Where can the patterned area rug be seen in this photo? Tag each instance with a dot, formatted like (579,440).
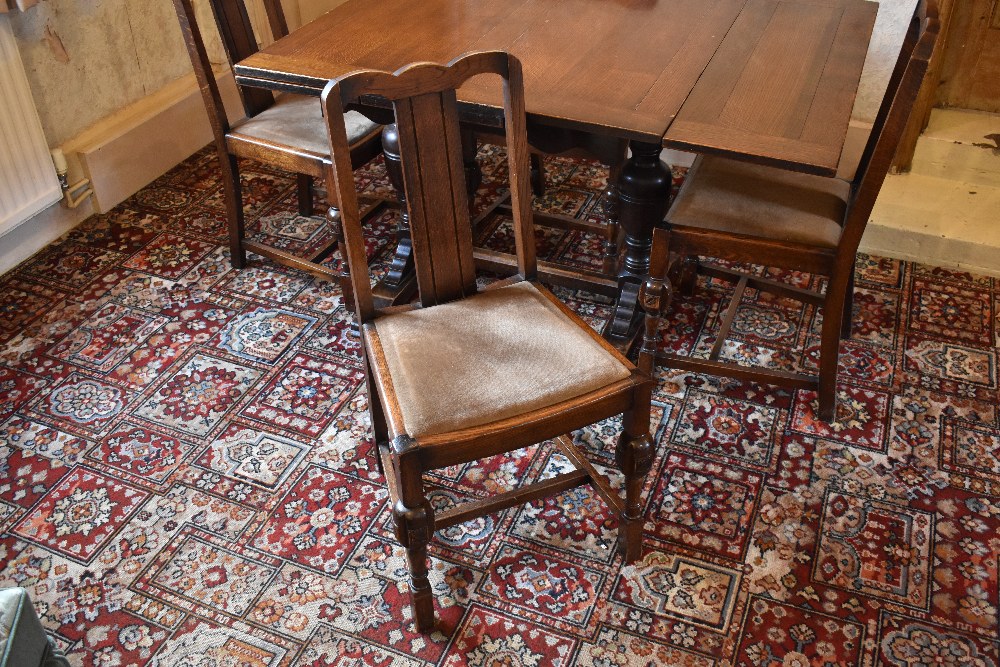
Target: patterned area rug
(186,475)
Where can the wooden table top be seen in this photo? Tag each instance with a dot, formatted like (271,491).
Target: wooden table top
(768,79)
(781,87)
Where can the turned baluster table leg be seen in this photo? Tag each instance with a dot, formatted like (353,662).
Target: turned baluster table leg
(402,262)
(643,197)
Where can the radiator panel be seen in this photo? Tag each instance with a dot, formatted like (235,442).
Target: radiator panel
(28,181)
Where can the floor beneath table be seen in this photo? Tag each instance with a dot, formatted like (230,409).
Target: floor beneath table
(186,475)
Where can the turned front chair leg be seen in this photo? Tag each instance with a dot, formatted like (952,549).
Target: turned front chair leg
(654,298)
(413,530)
(414,523)
(612,230)
(634,455)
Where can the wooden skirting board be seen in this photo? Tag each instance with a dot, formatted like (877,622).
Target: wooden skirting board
(129,149)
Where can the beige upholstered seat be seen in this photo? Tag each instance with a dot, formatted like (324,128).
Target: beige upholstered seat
(736,197)
(527,355)
(297,120)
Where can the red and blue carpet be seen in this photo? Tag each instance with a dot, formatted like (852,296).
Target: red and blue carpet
(186,475)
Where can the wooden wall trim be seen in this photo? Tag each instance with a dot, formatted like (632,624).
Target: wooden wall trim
(927,97)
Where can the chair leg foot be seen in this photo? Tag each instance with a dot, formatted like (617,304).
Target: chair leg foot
(635,457)
(413,530)
(237,255)
(234,210)
(630,539)
(303,187)
(422,604)
(828,406)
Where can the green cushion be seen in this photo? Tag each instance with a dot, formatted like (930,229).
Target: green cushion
(23,642)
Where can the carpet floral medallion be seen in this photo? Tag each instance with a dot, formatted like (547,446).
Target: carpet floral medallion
(187,477)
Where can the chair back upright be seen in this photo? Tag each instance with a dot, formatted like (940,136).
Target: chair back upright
(423,99)
(889,125)
(239,42)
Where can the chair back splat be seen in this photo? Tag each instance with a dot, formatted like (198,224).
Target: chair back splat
(466,374)
(435,185)
(747,213)
(433,174)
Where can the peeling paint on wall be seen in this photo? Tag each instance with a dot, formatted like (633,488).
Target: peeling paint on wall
(55,45)
(87,60)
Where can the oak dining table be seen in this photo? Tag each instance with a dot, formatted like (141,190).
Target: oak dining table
(769,81)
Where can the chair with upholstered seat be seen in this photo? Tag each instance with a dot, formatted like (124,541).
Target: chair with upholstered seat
(465,373)
(763,215)
(285,131)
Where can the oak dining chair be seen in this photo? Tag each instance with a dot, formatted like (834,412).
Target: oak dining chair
(466,373)
(762,215)
(285,131)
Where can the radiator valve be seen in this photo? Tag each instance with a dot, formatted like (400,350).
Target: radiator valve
(73,195)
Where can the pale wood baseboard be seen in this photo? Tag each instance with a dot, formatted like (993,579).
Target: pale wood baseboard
(125,152)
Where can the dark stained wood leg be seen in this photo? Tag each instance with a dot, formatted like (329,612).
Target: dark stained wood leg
(634,455)
(612,207)
(473,173)
(845,326)
(414,523)
(644,194)
(828,355)
(304,184)
(537,175)
(234,210)
(402,263)
(655,298)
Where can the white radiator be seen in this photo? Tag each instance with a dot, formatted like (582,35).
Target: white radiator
(28,181)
